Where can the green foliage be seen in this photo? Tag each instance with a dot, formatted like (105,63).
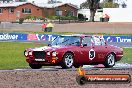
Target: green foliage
(53,17)
(30,17)
(21,20)
(109,5)
(90,4)
(127,58)
(68,18)
(35,18)
(81,17)
(113,4)
(62,17)
(12,54)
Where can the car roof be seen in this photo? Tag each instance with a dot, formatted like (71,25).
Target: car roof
(80,35)
(83,35)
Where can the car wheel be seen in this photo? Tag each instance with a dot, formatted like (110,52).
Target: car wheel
(35,66)
(67,61)
(110,61)
(81,80)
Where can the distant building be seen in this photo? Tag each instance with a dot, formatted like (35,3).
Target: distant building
(5,1)
(15,10)
(8,1)
(59,9)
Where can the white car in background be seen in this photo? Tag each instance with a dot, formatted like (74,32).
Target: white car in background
(86,14)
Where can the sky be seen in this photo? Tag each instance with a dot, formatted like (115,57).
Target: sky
(78,2)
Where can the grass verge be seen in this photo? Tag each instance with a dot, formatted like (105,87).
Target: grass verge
(12,56)
(127,58)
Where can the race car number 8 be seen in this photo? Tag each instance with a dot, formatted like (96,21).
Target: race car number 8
(91,54)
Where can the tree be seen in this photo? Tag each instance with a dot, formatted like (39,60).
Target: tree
(93,5)
(113,3)
(109,4)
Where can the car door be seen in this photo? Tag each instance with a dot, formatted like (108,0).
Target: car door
(100,50)
(85,50)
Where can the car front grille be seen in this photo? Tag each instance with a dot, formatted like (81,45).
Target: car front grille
(39,54)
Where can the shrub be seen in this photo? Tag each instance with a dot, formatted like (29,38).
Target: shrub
(35,18)
(53,17)
(62,17)
(81,17)
(68,18)
(21,20)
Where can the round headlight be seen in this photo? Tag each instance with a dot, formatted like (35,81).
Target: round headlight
(48,53)
(54,54)
(26,53)
(30,53)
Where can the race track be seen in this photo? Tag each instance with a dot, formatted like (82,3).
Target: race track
(118,66)
(55,77)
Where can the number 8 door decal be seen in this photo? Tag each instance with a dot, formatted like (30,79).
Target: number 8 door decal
(91,54)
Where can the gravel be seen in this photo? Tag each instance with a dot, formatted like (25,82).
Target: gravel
(54,79)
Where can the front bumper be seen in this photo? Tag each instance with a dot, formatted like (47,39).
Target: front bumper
(46,61)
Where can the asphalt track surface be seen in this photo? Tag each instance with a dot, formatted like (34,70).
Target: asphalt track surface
(118,66)
(86,27)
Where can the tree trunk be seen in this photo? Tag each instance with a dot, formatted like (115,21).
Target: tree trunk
(92,14)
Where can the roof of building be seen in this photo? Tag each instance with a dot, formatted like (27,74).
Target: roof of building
(46,5)
(15,4)
(12,4)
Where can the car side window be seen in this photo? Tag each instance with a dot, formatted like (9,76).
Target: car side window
(87,40)
(102,42)
(96,41)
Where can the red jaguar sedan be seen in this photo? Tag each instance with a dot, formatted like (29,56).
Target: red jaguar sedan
(74,50)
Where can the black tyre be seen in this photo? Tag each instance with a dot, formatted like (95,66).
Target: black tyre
(67,61)
(77,66)
(110,61)
(81,80)
(35,66)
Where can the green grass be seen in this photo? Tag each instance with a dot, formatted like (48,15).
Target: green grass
(127,58)
(12,57)
(11,54)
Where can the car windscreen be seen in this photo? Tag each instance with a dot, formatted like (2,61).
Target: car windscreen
(66,40)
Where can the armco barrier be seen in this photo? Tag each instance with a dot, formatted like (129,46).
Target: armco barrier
(51,37)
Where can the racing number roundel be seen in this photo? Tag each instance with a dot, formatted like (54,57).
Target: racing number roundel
(91,54)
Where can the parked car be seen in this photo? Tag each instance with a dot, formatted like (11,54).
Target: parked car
(74,50)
